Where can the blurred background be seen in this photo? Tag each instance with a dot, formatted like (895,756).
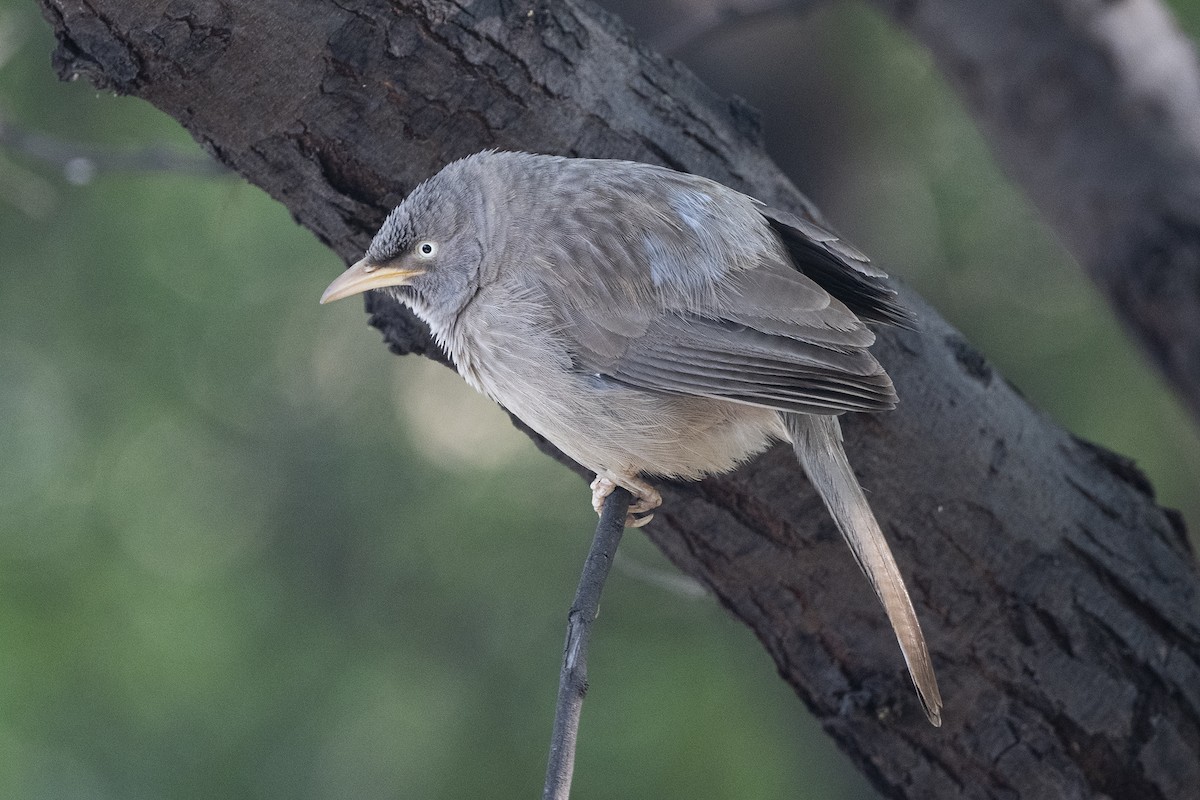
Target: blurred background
(245,552)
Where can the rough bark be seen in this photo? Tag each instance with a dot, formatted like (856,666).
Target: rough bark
(1061,604)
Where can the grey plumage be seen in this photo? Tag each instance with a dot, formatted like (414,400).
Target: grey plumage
(652,323)
(817,441)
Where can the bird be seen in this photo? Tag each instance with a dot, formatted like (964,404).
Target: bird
(652,323)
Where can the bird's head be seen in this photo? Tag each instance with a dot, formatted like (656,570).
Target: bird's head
(427,253)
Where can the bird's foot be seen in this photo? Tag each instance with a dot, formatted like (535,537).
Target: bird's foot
(645,497)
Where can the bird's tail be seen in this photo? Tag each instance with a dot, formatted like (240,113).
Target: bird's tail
(818,444)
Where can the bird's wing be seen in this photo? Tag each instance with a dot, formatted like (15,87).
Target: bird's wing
(839,268)
(729,360)
(677,284)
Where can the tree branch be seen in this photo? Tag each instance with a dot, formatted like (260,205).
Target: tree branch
(1094,108)
(79,162)
(1061,604)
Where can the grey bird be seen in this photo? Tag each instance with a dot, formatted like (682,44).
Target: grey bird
(652,323)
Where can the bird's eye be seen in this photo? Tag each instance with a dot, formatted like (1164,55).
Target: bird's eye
(426,249)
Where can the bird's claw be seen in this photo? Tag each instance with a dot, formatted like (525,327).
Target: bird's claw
(645,497)
(632,521)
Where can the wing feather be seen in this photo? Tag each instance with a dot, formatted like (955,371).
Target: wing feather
(772,316)
(839,268)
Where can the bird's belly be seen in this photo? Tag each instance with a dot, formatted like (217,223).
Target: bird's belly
(606,425)
(670,435)
(598,422)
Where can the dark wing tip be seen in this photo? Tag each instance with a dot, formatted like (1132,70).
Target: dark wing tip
(839,268)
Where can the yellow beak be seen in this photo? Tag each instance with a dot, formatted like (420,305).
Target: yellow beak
(363,276)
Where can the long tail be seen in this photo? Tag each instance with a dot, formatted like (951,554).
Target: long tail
(818,444)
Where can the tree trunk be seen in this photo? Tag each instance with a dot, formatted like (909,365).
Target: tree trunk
(1060,602)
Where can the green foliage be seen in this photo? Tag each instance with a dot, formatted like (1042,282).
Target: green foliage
(244,552)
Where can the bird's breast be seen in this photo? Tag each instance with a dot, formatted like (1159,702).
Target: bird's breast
(508,351)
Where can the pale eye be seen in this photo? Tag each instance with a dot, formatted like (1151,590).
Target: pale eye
(426,249)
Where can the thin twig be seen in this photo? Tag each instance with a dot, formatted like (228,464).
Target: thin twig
(572,681)
(80,162)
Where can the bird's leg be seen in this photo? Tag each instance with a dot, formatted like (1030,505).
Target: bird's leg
(645,497)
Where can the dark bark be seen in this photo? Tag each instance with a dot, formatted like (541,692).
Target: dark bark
(1061,604)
